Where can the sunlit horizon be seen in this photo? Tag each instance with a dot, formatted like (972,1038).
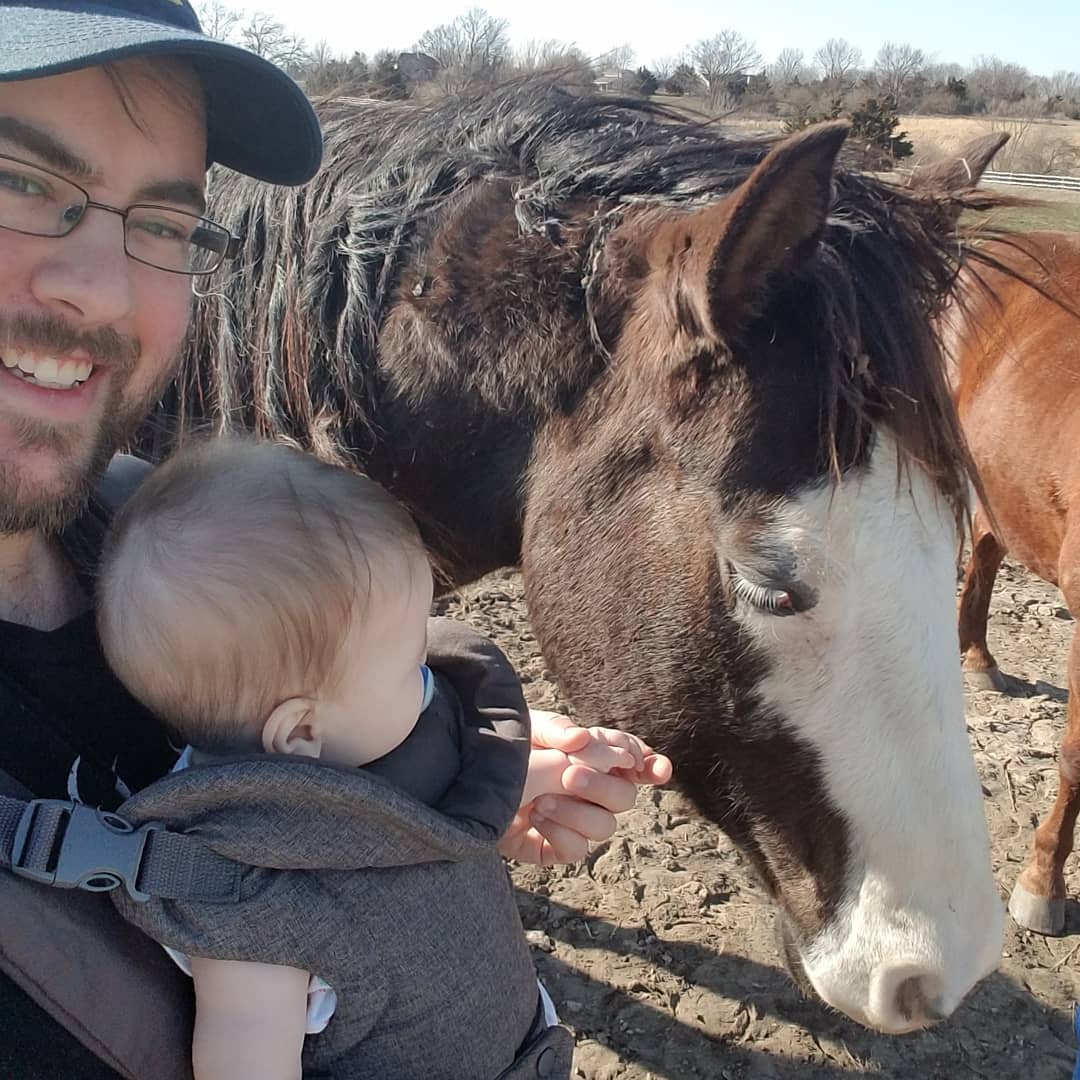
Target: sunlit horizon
(957,32)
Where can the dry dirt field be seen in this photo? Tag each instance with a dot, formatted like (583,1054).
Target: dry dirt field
(932,135)
(660,951)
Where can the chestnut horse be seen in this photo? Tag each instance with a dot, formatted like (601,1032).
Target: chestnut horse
(1016,351)
(694,386)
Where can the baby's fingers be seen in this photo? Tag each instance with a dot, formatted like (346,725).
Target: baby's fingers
(603,756)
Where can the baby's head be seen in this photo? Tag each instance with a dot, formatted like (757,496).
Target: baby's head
(257,599)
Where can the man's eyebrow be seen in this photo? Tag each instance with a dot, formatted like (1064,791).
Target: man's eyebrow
(53,153)
(44,146)
(184,192)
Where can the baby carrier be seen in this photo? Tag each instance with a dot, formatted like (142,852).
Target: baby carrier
(264,841)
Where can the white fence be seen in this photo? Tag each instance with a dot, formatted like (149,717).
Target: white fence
(1035,180)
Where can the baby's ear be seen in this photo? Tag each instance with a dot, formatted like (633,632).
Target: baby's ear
(292,729)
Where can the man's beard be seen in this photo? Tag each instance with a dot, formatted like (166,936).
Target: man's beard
(83,453)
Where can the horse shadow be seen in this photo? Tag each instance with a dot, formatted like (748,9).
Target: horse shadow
(1000,1030)
(1017,687)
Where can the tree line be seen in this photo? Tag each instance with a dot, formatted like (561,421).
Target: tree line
(724,70)
(722,73)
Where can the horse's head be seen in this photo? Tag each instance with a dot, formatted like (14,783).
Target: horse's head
(746,537)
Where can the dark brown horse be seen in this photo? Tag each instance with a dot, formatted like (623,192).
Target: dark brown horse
(1016,351)
(692,384)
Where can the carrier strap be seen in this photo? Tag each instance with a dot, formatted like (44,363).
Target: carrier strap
(72,846)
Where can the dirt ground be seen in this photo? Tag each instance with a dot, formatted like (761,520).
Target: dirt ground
(660,950)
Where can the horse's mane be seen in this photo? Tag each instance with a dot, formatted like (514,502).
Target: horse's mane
(288,339)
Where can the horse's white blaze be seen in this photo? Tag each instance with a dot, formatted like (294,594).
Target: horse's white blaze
(871,678)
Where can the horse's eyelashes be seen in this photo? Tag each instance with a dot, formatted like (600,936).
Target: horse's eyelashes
(763,597)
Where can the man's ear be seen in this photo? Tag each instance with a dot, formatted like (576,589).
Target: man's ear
(292,728)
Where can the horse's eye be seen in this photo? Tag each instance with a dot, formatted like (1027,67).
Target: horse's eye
(771,601)
(768,600)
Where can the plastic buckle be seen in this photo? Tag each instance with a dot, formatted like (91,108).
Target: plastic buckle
(95,850)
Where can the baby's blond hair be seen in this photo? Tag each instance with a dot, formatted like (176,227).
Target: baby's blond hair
(229,580)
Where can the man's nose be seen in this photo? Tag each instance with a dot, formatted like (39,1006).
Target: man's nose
(87,274)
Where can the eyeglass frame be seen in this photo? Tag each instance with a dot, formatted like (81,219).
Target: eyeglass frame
(230,251)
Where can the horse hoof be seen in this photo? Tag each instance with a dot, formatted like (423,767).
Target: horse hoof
(991,679)
(1036,913)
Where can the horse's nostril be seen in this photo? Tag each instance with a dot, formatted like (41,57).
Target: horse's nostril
(916,1005)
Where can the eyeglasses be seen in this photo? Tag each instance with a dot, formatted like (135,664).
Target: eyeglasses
(39,203)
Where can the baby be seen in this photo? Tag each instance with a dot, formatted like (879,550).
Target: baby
(272,610)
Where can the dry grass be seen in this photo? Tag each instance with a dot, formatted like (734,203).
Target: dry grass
(1035,145)
(951,132)
(936,137)
(1055,210)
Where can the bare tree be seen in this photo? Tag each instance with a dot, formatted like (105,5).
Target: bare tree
(217,19)
(533,55)
(620,59)
(996,83)
(837,61)
(324,72)
(721,58)
(788,68)
(474,47)
(264,35)
(939,73)
(664,68)
(1061,89)
(321,55)
(566,61)
(897,67)
(546,55)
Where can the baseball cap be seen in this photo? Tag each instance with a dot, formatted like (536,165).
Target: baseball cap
(259,122)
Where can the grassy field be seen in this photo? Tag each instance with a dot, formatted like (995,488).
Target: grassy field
(1034,146)
(1055,210)
(1039,146)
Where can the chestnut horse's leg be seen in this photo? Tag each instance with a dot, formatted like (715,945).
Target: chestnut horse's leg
(980,669)
(1038,901)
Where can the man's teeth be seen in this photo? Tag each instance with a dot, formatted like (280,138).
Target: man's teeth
(47,370)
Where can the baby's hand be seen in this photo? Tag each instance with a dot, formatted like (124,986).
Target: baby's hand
(609,750)
(604,750)
(567,805)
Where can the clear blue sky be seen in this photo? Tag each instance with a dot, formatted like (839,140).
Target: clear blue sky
(1044,36)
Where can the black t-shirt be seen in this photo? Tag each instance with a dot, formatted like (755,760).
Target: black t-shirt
(73,730)
(67,728)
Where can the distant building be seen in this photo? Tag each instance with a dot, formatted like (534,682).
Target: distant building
(418,67)
(607,82)
(614,81)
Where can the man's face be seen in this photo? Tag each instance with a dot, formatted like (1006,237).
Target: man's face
(78,301)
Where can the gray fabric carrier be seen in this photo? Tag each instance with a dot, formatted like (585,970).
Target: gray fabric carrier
(405,908)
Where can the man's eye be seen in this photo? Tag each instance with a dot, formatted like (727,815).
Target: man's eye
(21,183)
(160,229)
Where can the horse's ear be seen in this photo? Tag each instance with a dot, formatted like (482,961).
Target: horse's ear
(727,254)
(959,174)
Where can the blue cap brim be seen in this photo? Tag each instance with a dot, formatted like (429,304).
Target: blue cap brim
(259,121)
